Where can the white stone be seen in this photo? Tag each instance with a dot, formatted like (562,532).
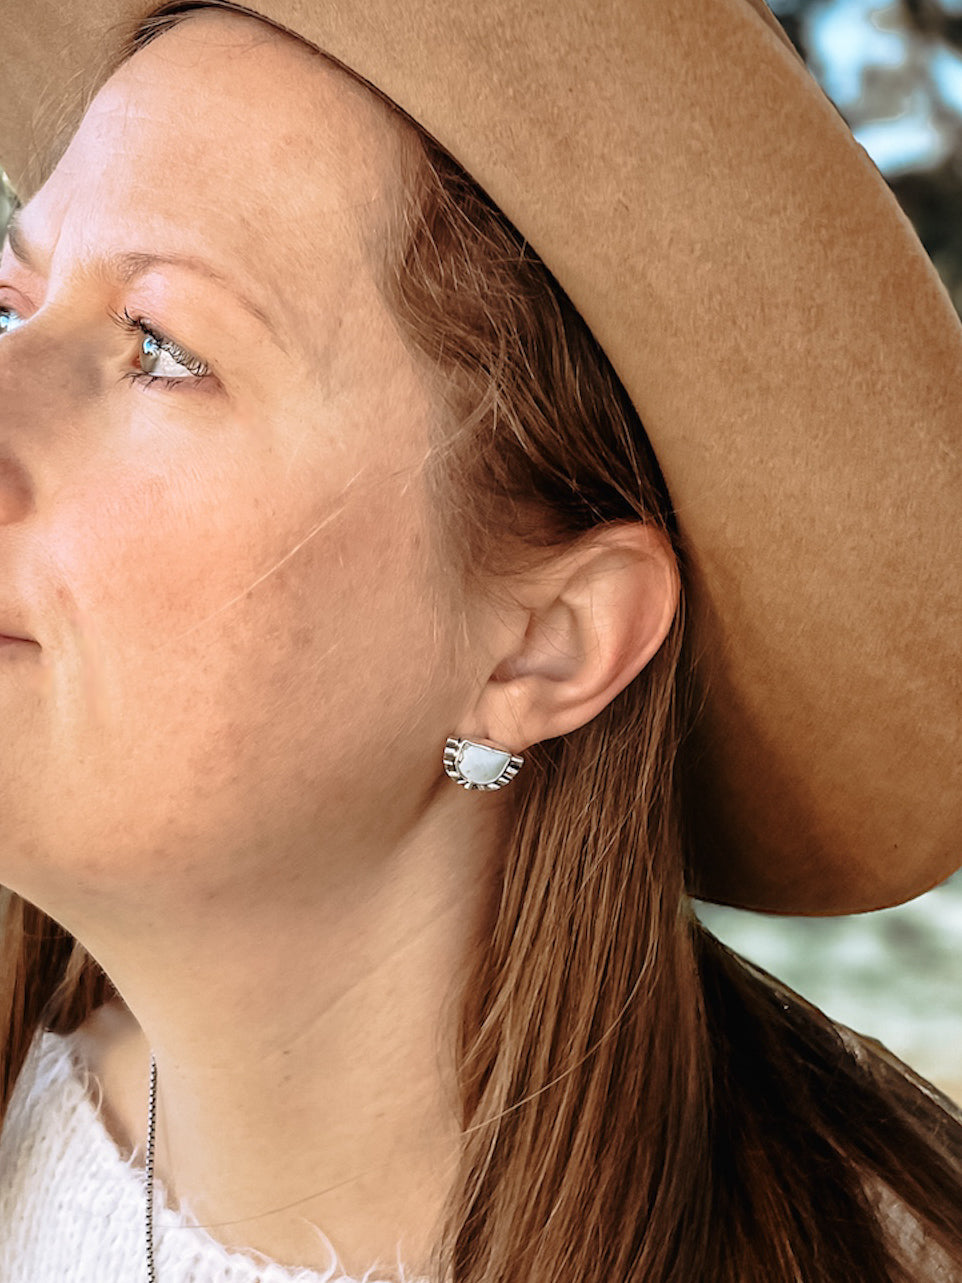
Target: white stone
(480,764)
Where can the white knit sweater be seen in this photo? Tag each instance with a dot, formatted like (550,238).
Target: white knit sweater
(72,1208)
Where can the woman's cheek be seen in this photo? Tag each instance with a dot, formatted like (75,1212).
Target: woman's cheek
(145,554)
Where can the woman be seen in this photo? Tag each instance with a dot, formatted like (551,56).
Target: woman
(310,468)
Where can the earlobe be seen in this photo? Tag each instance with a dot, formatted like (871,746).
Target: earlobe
(587,624)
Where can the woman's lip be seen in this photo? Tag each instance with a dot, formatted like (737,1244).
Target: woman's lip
(7,640)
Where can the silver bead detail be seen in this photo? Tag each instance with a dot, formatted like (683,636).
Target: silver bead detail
(149,1166)
(480,766)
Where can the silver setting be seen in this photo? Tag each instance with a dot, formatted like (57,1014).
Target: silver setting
(480,766)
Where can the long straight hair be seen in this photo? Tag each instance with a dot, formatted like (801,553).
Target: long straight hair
(637,1104)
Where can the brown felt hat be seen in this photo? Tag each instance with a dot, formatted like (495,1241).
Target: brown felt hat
(789,347)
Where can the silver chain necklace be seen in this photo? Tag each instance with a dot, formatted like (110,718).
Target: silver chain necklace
(149,1164)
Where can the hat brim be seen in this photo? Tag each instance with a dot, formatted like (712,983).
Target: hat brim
(789,347)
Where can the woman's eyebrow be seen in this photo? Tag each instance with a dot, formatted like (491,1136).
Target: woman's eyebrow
(127,266)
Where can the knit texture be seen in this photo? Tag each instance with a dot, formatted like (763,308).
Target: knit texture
(72,1208)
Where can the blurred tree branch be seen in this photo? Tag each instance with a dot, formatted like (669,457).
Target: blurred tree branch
(929,18)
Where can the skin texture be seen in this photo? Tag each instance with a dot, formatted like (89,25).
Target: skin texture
(222,762)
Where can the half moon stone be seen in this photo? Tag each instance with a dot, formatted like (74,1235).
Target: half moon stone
(480,764)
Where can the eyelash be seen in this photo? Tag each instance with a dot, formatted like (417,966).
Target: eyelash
(140,325)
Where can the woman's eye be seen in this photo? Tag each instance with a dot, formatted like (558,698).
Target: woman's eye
(159,358)
(9,320)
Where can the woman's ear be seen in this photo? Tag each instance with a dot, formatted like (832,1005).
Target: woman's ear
(577,632)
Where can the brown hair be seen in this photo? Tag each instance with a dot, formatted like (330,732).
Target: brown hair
(637,1103)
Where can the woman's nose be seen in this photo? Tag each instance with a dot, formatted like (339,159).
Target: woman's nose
(16,492)
(39,406)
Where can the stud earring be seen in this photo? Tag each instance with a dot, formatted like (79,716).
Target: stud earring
(480,766)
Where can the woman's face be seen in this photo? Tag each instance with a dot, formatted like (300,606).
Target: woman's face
(211,515)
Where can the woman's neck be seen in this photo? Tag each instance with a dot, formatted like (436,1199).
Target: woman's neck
(304,1059)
